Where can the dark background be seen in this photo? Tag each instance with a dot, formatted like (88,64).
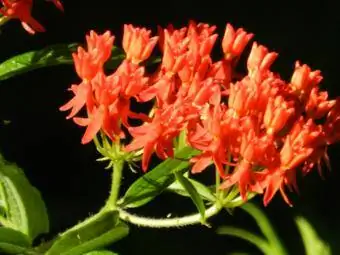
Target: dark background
(47,146)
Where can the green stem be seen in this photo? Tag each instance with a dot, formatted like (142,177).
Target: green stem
(168,223)
(248,236)
(118,167)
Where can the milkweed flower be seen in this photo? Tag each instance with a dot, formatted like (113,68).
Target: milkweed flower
(21,9)
(137,43)
(257,130)
(234,42)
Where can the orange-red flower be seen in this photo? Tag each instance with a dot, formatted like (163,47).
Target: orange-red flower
(259,62)
(266,131)
(137,43)
(89,63)
(304,79)
(21,9)
(234,42)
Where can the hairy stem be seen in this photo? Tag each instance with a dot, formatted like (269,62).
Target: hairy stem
(166,222)
(118,167)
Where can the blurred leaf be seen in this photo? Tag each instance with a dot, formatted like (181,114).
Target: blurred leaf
(266,227)
(12,241)
(313,244)
(94,233)
(204,191)
(259,242)
(101,253)
(191,190)
(271,245)
(23,208)
(153,183)
(53,55)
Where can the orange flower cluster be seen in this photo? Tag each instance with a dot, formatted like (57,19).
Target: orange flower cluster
(21,9)
(267,128)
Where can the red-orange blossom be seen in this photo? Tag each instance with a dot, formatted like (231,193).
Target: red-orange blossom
(268,129)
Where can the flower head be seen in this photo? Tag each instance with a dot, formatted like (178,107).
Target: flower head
(257,130)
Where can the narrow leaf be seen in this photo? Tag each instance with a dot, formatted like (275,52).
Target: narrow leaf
(23,206)
(313,244)
(153,183)
(53,55)
(266,227)
(204,191)
(191,190)
(247,236)
(25,62)
(95,233)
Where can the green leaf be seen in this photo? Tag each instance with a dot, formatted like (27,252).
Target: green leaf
(53,55)
(204,191)
(195,196)
(12,249)
(153,183)
(24,210)
(101,253)
(313,244)
(266,228)
(259,242)
(12,241)
(94,233)
(28,61)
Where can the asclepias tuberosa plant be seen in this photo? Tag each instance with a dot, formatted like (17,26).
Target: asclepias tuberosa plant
(255,131)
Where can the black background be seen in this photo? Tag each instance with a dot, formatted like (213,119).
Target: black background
(47,146)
